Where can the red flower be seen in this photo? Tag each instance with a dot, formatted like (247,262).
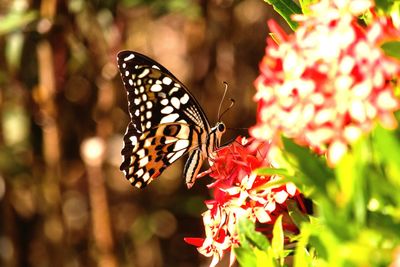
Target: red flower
(239,192)
(327,83)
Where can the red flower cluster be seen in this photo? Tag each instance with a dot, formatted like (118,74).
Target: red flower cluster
(239,192)
(327,83)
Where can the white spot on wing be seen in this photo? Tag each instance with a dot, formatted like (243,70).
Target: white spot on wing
(133,140)
(124,65)
(177,155)
(126,73)
(137,112)
(130,82)
(146,177)
(148,114)
(155,88)
(149,104)
(139,173)
(147,142)
(155,67)
(137,101)
(175,102)
(141,153)
(144,73)
(184,99)
(164,102)
(170,118)
(181,144)
(167,80)
(143,161)
(184,132)
(129,57)
(173,90)
(148,125)
(167,110)
(169,140)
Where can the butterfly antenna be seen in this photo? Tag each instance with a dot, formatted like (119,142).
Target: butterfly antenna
(230,106)
(222,100)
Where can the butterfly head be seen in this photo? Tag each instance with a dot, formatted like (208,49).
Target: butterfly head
(221,127)
(215,135)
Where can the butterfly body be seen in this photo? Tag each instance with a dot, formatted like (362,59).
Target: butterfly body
(166,122)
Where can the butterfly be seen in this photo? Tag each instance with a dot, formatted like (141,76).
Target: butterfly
(166,122)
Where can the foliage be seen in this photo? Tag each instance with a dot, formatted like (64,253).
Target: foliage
(63,112)
(286,9)
(356,218)
(356,221)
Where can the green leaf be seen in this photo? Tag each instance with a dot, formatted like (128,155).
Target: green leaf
(263,259)
(295,214)
(388,6)
(305,5)
(277,242)
(248,235)
(278,181)
(286,8)
(387,146)
(302,255)
(313,168)
(392,49)
(346,175)
(253,245)
(245,256)
(362,152)
(272,171)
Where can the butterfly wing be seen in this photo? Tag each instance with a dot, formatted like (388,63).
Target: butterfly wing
(166,120)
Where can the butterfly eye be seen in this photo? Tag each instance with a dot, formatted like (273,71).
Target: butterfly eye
(221,127)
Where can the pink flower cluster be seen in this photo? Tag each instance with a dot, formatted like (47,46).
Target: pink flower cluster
(239,192)
(326,84)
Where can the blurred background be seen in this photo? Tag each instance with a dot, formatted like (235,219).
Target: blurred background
(63,113)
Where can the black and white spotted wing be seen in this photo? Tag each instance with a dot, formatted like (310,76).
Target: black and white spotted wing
(166,122)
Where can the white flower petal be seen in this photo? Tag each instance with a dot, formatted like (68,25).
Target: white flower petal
(281,196)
